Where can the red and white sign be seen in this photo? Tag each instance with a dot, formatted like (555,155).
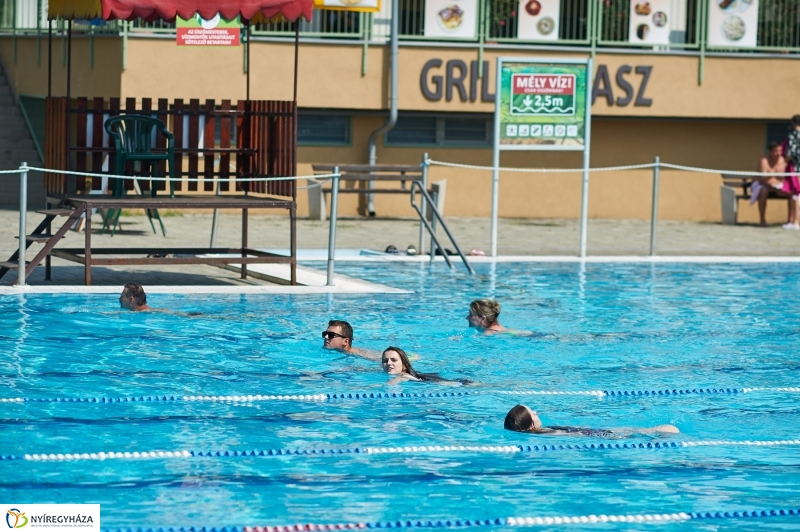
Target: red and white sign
(543,84)
(204,37)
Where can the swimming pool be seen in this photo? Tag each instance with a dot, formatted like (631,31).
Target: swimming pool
(607,327)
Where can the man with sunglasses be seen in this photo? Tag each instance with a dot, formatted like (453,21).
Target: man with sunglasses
(339,336)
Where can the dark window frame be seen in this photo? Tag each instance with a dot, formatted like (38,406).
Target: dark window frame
(441,141)
(348,117)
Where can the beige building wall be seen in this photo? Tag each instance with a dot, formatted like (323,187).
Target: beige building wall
(719,124)
(726,144)
(28,74)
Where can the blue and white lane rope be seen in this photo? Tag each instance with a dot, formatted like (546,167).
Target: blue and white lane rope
(321,397)
(503,521)
(417,449)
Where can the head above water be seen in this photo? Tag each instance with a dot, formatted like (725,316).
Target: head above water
(483,313)
(133,297)
(395,362)
(522,419)
(338,335)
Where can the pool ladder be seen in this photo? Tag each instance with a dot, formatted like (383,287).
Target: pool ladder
(428,202)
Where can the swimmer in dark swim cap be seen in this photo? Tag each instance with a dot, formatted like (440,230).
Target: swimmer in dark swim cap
(523,419)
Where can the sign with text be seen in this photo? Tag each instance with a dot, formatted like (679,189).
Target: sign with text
(201,32)
(53,517)
(650,22)
(733,23)
(537,20)
(541,105)
(367,6)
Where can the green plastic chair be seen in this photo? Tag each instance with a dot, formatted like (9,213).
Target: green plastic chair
(134,141)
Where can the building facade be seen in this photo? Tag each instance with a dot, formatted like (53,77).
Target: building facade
(687,99)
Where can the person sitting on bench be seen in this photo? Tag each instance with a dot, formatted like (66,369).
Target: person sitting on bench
(761,189)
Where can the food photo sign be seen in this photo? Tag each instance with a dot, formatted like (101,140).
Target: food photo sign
(649,22)
(537,20)
(451,19)
(542,105)
(733,23)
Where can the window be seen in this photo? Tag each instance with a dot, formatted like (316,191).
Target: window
(416,130)
(323,129)
(447,130)
(776,132)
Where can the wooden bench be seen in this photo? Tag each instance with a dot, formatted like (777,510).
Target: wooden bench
(733,189)
(358,176)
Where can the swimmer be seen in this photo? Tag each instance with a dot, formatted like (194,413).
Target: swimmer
(339,336)
(395,362)
(483,315)
(523,419)
(133,298)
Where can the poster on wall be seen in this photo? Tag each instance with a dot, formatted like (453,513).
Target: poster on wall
(198,31)
(367,6)
(542,105)
(733,23)
(453,19)
(650,22)
(537,20)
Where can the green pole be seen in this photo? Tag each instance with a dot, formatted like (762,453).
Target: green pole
(365,20)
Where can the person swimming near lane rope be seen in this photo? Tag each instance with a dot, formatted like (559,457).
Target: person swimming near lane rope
(339,336)
(395,362)
(484,314)
(523,419)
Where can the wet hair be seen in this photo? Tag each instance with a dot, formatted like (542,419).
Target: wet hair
(795,121)
(486,308)
(519,419)
(347,329)
(136,290)
(408,368)
(773,144)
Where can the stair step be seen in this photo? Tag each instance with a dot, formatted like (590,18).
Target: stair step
(56,212)
(41,239)
(11,265)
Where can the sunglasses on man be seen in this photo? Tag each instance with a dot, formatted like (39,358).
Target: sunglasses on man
(330,335)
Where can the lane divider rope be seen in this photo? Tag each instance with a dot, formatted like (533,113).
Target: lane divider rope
(507,521)
(496,449)
(387,395)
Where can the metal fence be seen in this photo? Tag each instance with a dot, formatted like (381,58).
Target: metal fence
(586,23)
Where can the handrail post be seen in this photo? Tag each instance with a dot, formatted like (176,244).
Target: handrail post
(421,248)
(23,212)
(654,210)
(332,222)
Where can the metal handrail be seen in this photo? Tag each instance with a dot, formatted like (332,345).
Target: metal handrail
(423,219)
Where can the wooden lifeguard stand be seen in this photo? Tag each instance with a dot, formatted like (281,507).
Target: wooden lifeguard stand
(265,145)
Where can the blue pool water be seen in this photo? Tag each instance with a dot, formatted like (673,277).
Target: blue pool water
(608,326)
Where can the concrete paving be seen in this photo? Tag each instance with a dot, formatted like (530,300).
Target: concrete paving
(530,237)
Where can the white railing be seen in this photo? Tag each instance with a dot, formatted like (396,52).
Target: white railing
(656,166)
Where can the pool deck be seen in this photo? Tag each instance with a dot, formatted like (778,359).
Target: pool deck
(534,240)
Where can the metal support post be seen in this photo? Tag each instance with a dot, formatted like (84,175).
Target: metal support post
(421,248)
(332,222)
(23,212)
(215,223)
(244,242)
(654,210)
(586,160)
